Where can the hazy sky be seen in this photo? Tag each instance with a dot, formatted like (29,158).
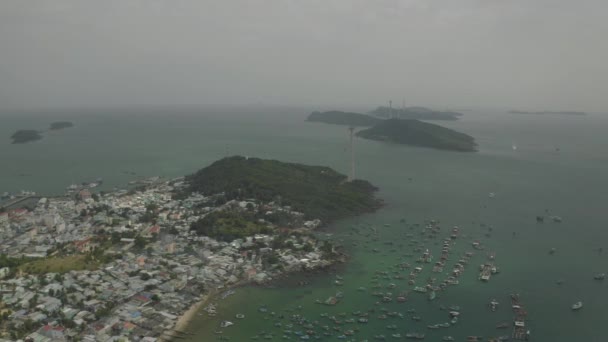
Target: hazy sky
(528,54)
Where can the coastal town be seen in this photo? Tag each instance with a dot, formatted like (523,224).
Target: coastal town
(127,265)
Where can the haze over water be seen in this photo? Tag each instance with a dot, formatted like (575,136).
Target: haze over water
(535,179)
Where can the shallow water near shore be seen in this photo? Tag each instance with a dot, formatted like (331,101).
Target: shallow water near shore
(534,179)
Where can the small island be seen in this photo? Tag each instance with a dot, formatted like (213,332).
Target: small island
(317,191)
(417,113)
(343,118)
(25,135)
(546,112)
(418,133)
(60,125)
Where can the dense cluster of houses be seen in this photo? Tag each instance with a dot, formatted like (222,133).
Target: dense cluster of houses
(137,292)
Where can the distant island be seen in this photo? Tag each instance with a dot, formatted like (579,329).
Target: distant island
(418,113)
(400,131)
(317,191)
(25,135)
(547,112)
(343,118)
(60,125)
(418,133)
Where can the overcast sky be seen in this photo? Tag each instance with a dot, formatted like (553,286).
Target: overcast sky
(525,54)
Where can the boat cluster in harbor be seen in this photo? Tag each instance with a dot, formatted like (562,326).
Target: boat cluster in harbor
(387,307)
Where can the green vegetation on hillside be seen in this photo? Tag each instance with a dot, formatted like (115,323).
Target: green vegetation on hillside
(229,225)
(316,191)
(419,113)
(58,265)
(60,125)
(343,118)
(25,135)
(418,133)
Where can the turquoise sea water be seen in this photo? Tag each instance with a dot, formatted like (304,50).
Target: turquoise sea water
(535,179)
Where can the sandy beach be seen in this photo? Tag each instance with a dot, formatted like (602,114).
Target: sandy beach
(186,317)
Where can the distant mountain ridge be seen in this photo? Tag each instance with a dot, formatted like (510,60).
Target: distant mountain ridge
(418,113)
(337,117)
(547,112)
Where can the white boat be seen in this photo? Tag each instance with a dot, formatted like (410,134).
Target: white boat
(226,324)
(493,304)
(577,306)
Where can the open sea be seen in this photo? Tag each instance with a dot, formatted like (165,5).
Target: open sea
(559,167)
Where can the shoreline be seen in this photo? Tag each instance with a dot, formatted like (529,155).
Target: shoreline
(185,318)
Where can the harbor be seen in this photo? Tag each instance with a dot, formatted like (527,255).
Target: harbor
(454,192)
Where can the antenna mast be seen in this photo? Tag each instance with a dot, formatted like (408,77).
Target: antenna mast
(351,177)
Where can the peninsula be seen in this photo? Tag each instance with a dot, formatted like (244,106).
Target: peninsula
(418,113)
(126,264)
(25,135)
(343,118)
(547,112)
(418,133)
(60,125)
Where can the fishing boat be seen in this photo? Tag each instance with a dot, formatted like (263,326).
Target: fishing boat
(600,276)
(331,301)
(420,289)
(493,305)
(226,324)
(432,295)
(415,336)
(577,306)
(447,338)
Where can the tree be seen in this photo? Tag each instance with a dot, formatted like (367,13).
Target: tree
(152,207)
(155,298)
(308,247)
(140,242)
